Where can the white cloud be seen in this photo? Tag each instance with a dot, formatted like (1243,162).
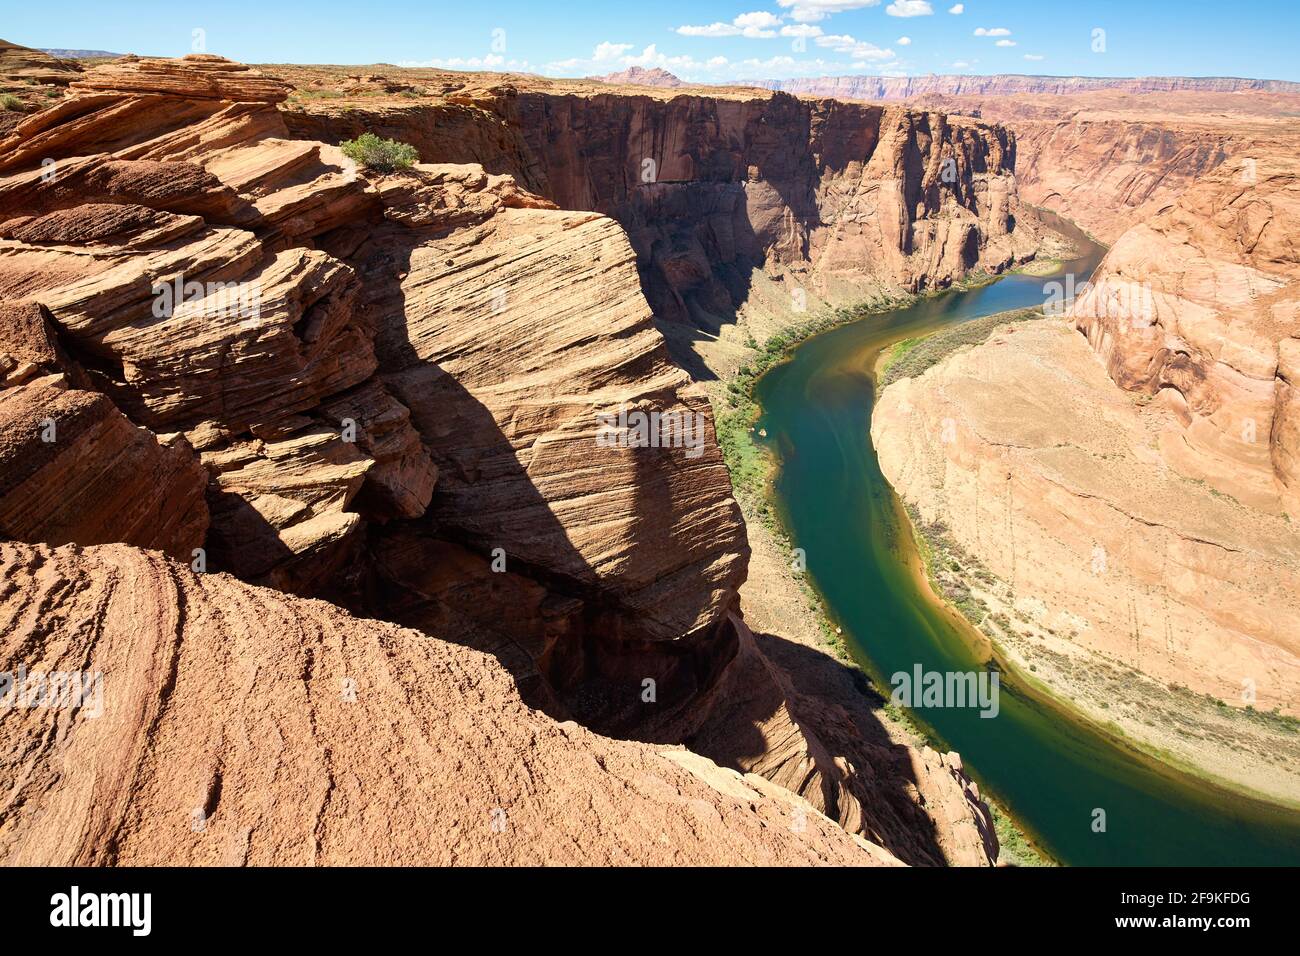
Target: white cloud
(801,30)
(489,62)
(961,65)
(1005,43)
(812,11)
(957,9)
(857,49)
(909,8)
(904,41)
(712,30)
(994,32)
(759,25)
(609,51)
(761,19)
(1033,56)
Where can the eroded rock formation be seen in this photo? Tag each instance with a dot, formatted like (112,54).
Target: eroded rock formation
(1199,309)
(828,197)
(1121,582)
(315,738)
(389,392)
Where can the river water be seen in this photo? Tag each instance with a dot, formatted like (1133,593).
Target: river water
(1052,771)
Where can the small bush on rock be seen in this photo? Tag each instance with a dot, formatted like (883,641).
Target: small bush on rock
(381,155)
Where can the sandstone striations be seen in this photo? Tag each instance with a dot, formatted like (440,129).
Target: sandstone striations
(316,738)
(1129,588)
(718,191)
(387,391)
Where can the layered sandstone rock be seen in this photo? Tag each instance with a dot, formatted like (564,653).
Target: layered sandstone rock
(75,469)
(316,738)
(18,64)
(270,361)
(830,198)
(1106,562)
(1199,308)
(394,386)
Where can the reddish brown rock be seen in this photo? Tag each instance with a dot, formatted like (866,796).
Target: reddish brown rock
(20,64)
(315,738)
(74,469)
(200,76)
(1199,308)
(418,393)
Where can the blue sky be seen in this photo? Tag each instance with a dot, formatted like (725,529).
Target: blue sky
(702,40)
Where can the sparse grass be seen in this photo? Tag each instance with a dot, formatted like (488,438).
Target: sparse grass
(316,95)
(912,357)
(1013,846)
(381,155)
(747,463)
(10,102)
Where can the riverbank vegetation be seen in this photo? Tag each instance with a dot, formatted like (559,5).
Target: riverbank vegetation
(752,467)
(911,357)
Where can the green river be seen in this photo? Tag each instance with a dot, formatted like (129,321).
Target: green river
(1048,768)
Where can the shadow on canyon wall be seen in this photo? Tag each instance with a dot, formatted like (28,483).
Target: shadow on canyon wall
(577,643)
(574,647)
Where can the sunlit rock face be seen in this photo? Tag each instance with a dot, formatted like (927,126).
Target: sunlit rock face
(396,392)
(1199,309)
(831,197)
(317,342)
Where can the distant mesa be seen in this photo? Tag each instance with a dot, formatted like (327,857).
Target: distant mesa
(79,54)
(638,76)
(906,87)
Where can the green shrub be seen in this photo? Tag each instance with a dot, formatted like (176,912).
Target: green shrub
(381,155)
(10,102)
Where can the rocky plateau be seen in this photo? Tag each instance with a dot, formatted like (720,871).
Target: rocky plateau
(303,459)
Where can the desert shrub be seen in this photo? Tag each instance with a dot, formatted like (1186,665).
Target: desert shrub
(10,102)
(381,155)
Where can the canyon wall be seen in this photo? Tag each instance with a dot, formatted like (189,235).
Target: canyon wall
(828,198)
(1128,477)
(388,391)
(1012,84)
(450,341)
(1109,160)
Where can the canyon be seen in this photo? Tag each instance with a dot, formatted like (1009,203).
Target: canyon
(1120,479)
(243,377)
(303,456)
